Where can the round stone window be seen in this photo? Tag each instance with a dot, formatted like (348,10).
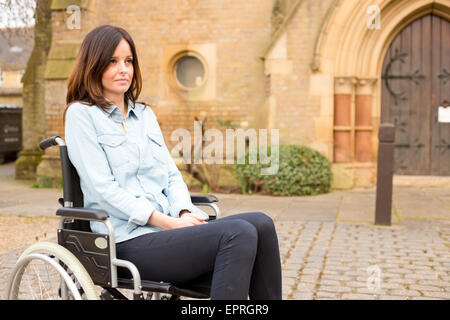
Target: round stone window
(189,72)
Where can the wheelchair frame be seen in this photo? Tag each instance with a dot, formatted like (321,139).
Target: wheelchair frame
(97,252)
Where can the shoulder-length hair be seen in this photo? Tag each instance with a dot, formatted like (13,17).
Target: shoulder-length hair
(85,82)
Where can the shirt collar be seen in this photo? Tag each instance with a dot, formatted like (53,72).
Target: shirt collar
(132,108)
(116,114)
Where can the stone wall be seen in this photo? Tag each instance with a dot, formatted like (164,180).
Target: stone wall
(294,108)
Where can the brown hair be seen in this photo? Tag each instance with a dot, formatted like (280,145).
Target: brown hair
(85,81)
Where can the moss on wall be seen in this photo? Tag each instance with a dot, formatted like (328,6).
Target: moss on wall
(63,4)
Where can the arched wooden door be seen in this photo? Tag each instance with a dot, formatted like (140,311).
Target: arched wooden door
(416,82)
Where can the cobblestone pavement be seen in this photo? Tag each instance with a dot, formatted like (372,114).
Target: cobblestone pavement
(329,246)
(327,260)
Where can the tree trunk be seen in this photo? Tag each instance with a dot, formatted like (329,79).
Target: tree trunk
(33,112)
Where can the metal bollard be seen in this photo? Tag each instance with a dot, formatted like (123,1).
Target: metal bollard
(385,172)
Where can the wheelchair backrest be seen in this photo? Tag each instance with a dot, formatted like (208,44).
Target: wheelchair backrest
(71,181)
(72,190)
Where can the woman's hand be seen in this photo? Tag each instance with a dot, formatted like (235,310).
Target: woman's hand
(188,219)
(166,222)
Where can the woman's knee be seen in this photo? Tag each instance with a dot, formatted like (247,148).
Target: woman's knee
(262,222)
(241,231)
(263,217)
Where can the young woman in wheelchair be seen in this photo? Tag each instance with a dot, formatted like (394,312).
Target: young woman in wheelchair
(125,168)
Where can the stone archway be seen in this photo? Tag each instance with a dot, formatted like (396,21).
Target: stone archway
(349,55)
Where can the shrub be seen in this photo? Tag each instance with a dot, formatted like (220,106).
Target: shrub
(302,171)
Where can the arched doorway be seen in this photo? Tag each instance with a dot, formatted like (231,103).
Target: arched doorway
(415,83)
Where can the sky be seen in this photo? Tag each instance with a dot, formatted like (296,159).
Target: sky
(16,13)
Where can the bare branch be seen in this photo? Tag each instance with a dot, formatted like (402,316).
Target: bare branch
(17,19)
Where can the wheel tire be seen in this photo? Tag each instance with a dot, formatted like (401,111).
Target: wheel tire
(64,256)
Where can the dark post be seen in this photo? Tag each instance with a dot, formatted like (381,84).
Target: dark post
(385,174)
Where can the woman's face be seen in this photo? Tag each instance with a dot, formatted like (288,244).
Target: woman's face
(117,77)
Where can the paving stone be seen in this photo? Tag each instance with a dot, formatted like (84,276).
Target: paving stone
(391,285)
(289,281)
(356,284)
(407,293)
(421,276)
(404,281)
(375,291)
(326,295)
(290,273)
(310,271)
(358,296)
(339,289)
(436,283)
(309,278)
(425,288)
(302,296)
(393,298)
(355,273)
(337,277)
(434,294)
(305,286)
(326,282)
(328,272)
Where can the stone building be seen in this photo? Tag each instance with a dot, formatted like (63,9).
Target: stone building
(325,73)
(15,49)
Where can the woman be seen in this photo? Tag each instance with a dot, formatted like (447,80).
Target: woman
(125,168)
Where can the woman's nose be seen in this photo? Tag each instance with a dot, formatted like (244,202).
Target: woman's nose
(122,67)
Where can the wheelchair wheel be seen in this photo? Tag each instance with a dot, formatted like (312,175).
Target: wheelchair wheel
(47,271)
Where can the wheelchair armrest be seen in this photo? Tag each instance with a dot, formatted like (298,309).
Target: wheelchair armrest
(200,198)
(207,200)
(82,213)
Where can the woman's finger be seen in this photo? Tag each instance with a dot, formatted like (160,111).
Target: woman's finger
(199,218)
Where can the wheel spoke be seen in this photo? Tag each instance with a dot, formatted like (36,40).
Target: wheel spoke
(31,289)
(38,281)
(52,267)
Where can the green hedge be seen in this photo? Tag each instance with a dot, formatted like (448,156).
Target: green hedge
(302,171)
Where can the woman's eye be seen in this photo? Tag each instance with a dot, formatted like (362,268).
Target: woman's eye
(129,61)
(112,61)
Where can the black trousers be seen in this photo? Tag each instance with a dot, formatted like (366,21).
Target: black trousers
(239,253)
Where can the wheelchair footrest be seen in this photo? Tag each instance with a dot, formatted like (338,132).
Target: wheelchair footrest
(163,287)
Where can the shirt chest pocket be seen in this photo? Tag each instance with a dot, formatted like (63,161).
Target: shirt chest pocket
(115,149)
(156,147)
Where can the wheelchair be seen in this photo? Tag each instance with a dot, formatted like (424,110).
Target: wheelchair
(83,264)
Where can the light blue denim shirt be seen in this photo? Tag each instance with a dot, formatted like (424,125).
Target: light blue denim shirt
(127,174)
